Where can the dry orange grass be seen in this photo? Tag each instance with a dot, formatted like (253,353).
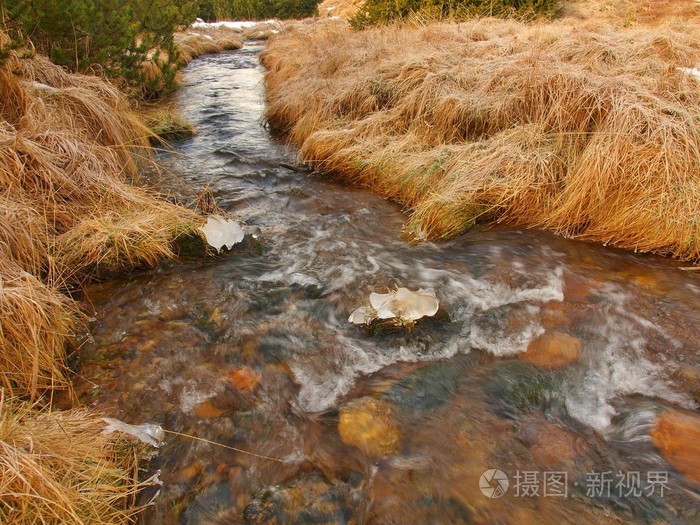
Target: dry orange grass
(37,324)
(345,9)
(194,43)
(587,131)
(58,468)
(69,150)
(632,12)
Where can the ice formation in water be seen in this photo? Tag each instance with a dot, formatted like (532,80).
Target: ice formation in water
(148,433)
(222,232)
(402,304)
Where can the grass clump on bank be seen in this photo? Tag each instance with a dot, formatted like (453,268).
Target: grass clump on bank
(59,468)
(70,152)
(205,41)
(38,322)
(70,149)
(586,131)
(374,12)
(166,123)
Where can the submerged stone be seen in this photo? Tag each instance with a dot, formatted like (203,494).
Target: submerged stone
(306,500)
(368,424)
(514,388)
(213,505)
(677,435)
(428,388)
(551,445)
(552,350)
(689,377)
(207,410)
(187,474)
(244,379)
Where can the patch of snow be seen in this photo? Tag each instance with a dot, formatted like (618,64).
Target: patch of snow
(690,71)
(237,25)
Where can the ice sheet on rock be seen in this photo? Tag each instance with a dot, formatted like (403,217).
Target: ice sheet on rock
(148,433)
(221,232)
(362,315)
(400,304)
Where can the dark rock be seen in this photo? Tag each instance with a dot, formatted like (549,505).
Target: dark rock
(428,388)
(214,504)
(514,388)
(190,245)
(193,245)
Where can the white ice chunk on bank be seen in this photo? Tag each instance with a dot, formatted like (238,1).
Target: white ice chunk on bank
(148,433)
(401,304)
(222,232)
(690,71)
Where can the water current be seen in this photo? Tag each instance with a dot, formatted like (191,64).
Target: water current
(253,350)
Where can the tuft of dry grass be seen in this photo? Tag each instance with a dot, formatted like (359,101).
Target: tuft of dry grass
(37,324)
(165,122)
(59,468)
(136,233)
(70,148)
(584,130)
(206,41)
(70,151)
(632,12)
(344,9)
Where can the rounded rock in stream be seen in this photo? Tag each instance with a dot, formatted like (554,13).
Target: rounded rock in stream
(368,424)
(515,388)
(244,379)
(677,436)
(551,445)
(552,350)
(213,505)
(428,388)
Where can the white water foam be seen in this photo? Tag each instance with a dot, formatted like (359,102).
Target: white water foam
(619,365)
(323,380)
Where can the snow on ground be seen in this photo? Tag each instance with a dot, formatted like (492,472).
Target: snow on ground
(237,24)
(690,70)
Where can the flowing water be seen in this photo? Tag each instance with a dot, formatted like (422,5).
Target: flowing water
(254,351)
